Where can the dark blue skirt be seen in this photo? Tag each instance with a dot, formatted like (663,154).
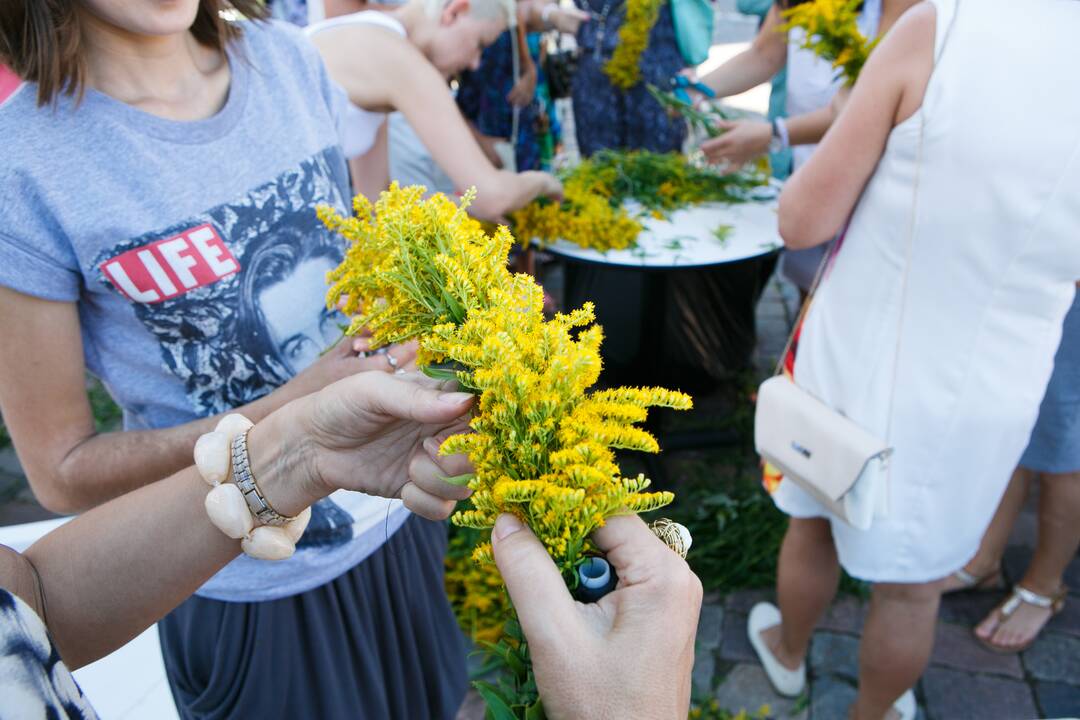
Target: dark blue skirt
(378,643)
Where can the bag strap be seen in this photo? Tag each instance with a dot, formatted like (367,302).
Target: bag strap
(819,274)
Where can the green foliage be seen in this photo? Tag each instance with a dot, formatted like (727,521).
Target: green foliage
(736,528)
(703,118)
(107,416)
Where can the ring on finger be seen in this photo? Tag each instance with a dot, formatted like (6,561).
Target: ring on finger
(674,535)
(392,360)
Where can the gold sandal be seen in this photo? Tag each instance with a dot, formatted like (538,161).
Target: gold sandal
(1020,595)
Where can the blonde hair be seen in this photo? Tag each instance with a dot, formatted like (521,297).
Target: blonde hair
(504,10)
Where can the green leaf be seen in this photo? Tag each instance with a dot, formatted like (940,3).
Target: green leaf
(497,706)
(439,373)
(460,480)
(535,711)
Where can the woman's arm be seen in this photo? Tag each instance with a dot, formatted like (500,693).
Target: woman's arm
(765,57)
(744,140)
(404,80)
(819,198)
(540,15)
(111,573)
(748,139)
(72,467)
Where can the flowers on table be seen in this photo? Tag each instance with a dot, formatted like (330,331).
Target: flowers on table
(832,33)
(593,213)
(543,438)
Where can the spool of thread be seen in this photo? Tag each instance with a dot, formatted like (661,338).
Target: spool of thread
(596,578)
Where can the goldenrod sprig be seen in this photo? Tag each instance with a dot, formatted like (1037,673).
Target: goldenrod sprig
(832,33)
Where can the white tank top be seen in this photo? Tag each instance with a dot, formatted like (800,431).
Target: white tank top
(361,125)
(811,81)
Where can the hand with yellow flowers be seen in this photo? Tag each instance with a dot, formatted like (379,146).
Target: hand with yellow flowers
(510,192)
(373,433)
(627,656)
(741,142)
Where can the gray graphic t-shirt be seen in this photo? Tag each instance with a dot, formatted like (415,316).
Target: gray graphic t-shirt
(196,259)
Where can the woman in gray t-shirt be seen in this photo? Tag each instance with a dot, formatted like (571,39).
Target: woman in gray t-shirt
(158,230)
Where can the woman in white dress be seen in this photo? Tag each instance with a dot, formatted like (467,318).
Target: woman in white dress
(956,272)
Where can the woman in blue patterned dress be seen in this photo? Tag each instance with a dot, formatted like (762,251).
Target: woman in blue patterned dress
(608,117)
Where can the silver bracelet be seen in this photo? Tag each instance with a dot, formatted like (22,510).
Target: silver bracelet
(256,502)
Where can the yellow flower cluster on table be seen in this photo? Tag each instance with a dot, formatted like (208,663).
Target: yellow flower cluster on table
(832,33)
(624,67)
(593,213)
(543,440)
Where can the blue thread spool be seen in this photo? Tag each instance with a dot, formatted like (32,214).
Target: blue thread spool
(596,578)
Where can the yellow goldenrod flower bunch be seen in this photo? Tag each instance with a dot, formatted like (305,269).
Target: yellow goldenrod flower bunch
(476,594)
(593,213)
(583,217)
(832,33)
(624,67)
(542,441)
(414,265)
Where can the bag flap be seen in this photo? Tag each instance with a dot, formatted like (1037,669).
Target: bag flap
(804,437)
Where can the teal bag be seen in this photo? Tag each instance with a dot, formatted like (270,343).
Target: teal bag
(693,20)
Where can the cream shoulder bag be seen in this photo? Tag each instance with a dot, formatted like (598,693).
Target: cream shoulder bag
(818,448)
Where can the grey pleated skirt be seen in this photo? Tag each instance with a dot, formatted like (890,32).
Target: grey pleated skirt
(1055,441)
(378,643)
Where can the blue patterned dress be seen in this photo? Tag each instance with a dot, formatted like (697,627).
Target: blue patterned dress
(607,117)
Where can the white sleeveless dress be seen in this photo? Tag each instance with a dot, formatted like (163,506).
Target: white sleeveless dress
(994,257)
(361,126)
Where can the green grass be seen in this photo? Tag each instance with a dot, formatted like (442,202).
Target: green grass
(107,416)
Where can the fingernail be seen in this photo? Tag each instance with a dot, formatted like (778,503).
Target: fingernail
(454,398)
(432,447)
(505,526)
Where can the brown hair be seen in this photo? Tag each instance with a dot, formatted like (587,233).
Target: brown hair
(41,40)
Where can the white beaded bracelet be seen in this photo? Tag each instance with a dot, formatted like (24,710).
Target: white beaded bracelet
(225,503)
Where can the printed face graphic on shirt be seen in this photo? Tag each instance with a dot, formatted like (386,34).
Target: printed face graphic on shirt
(235,296)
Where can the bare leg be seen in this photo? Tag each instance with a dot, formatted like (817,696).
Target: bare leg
(896,644)
(806,581)
(988,559)
(1059,538)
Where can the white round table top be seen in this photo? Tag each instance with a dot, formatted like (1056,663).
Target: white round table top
(710,234)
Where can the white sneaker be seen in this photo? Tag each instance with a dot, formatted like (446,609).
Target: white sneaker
(789,683)
(906,706)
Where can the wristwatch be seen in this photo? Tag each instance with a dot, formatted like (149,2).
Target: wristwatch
(779,141)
